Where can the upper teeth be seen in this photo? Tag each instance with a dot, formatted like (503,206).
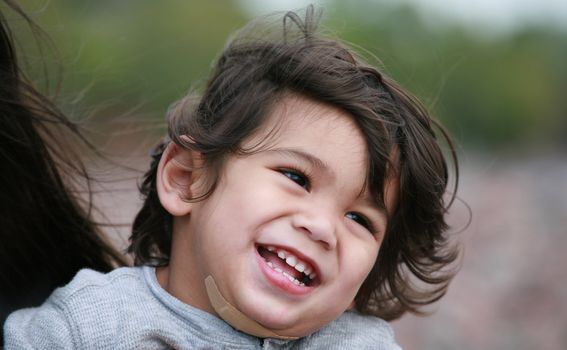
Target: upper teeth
(294,262)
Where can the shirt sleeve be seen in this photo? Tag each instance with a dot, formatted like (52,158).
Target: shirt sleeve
(43,327)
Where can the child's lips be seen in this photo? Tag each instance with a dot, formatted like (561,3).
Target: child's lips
(283,276)
(299,263)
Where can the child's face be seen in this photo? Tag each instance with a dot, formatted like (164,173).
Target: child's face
(301,197)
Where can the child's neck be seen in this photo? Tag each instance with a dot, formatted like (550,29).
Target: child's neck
(217,305)
(234,317)
(191,297)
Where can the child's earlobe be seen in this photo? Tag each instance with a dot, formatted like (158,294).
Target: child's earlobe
(177,176)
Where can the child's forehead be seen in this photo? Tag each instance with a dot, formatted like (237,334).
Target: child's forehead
(292,113)
(319,135)
(331,132)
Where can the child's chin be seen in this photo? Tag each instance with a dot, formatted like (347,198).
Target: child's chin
(284,322)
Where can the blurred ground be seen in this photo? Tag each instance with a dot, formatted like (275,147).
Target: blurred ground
(511,291)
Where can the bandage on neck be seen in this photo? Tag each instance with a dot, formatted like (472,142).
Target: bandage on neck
(234,317)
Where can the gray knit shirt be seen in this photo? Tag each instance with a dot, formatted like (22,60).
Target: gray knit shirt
(128,309)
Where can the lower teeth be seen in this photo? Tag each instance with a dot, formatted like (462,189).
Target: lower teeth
(289,277)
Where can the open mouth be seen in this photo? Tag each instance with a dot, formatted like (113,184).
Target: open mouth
(297,270)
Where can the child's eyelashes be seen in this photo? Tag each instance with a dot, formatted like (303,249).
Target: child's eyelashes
(360,219)
(302,179)
(298,177)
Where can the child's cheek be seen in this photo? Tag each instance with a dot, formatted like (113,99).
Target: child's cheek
(351,306)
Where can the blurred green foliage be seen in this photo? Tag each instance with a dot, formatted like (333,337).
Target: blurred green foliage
(501,91)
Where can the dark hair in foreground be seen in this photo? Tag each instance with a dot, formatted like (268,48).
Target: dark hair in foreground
(256,71)
(46,235)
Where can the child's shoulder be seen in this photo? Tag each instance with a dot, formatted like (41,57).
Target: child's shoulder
(355,331)
(91,306)
(92,293)
(92,283)
(352,319)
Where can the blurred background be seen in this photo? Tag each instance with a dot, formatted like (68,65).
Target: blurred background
(493,71)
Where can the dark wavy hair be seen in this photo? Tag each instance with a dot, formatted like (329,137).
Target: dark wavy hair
(257,69)
(46,232)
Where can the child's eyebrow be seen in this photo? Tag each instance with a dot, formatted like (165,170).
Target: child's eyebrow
(300,155)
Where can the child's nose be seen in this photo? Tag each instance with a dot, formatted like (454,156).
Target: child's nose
(319,225)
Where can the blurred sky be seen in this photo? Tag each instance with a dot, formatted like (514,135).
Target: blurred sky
(486,16)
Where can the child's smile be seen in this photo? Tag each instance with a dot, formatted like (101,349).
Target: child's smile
(296,268)
(289,271)
(288,235)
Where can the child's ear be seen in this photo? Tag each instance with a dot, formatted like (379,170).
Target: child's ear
(177,179)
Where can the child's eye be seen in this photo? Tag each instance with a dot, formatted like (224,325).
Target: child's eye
(359,219)
(296,177)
